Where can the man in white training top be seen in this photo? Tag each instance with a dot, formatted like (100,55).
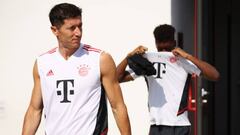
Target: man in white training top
(168,87)
(71,83)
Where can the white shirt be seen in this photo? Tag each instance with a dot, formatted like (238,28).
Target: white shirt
(166,88)
(71,91)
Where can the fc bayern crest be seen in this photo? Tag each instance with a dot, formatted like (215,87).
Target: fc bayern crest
(173,59)
(83,70)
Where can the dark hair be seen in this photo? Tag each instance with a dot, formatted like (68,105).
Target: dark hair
(63,11)
(163,33)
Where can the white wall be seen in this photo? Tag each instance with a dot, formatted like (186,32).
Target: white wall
(116,26)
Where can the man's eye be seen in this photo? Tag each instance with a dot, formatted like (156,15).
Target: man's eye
(72,28)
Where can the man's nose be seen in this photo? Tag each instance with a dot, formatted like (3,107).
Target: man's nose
(77,31)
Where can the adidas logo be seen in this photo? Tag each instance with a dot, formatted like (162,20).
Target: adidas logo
(50,73)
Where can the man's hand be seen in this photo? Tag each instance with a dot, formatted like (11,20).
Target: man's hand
(179,52)
(139,50)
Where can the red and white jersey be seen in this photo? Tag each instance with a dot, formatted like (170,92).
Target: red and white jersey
(167,87)
(72,92)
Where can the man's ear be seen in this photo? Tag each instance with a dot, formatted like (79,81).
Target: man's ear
(54,30)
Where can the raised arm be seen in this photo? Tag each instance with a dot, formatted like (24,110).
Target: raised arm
(207,70)
(123,75)
(34,112)
(114,94)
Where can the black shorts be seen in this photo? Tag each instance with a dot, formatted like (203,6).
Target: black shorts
(169,130)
